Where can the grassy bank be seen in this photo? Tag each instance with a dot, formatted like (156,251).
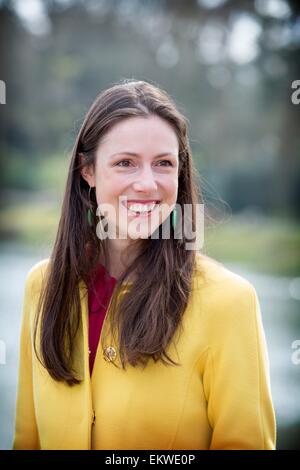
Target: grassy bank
(266,244)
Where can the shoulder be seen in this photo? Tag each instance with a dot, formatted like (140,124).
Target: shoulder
(32,290)
(221,292)
(36,276)
(212,274)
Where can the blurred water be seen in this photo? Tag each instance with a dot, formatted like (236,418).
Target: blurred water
(281,318)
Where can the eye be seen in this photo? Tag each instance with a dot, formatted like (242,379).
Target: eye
(123,163)
(166,161)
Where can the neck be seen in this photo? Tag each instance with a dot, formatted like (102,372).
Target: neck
(120,253)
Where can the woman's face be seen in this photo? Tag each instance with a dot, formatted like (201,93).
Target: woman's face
(136,175)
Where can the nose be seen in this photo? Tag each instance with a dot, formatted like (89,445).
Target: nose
(146,182)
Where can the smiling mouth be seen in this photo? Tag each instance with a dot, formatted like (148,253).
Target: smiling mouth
(141,209)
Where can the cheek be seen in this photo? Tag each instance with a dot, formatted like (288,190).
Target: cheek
(115,181)
(171,187)
(108,186)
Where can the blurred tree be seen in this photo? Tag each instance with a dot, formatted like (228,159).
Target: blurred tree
(243,128)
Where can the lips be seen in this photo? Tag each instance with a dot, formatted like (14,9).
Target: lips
(142,201)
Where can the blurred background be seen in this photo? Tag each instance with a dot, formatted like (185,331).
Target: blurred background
(229,66)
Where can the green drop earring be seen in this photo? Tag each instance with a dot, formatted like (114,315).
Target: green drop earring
(90,215)
(174,218)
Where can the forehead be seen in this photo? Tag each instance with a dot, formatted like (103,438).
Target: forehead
(141,135)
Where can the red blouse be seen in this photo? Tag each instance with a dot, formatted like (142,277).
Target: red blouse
(100,289)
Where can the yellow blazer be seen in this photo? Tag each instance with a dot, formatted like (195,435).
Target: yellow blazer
(219,398)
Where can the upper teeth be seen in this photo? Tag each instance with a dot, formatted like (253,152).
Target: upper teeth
(141,207)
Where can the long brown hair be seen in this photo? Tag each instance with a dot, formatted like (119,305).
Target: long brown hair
(148,315)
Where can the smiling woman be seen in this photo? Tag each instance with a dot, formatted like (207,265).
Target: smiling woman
(137,341)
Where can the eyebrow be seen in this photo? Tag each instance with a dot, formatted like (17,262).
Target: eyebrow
(133,154)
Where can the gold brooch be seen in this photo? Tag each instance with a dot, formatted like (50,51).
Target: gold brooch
(109,354)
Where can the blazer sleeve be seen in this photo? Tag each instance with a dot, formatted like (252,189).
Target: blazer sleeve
(236,377)
(26,432)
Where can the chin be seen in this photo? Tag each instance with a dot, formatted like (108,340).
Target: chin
(140,230)
(139,235)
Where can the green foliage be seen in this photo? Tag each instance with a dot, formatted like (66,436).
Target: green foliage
(47,172)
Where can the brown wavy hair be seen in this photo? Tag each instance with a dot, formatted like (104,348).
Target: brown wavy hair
(150,312)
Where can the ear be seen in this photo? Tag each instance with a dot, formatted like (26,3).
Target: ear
(87,172)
